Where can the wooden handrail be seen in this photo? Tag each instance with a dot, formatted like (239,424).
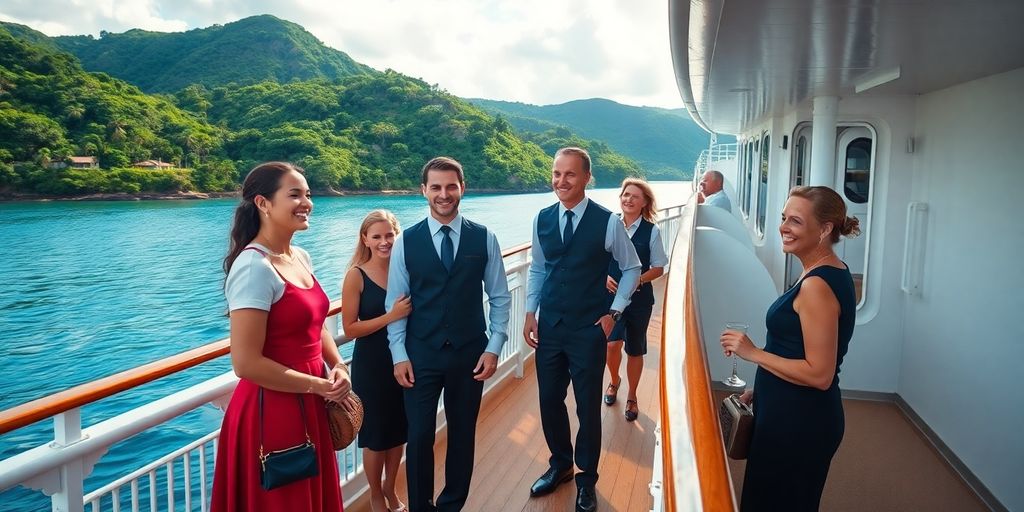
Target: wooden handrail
(668,482)
(714,482)
(83,394)
(78,396)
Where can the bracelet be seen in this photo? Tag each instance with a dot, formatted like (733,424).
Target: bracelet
(341,364)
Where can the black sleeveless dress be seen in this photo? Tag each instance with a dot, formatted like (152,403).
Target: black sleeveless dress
(384,422)
(797,429)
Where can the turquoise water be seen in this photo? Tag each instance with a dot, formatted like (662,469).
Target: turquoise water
(90,289)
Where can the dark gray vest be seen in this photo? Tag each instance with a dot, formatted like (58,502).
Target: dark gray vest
(446,306)
(574,289)
(642,243)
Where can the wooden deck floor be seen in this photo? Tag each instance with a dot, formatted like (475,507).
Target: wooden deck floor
(883,464)
(511,452)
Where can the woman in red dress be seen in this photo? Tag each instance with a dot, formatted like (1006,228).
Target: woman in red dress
(279,344)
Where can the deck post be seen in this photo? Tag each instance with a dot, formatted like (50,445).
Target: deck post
(67,430)
(823,141)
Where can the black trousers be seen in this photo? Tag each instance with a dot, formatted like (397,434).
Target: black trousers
(448,371)
(578,355)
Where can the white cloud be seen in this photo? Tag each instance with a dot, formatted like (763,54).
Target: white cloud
(534,51)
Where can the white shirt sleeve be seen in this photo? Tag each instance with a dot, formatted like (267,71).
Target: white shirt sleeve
(538,272)
(252,283)
(658,256)
(618,243)
(398,285)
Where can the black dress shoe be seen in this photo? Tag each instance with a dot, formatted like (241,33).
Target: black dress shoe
(550,481)
(586,499)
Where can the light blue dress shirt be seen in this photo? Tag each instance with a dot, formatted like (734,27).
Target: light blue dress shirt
(499,299)
(658,256)
(616,241)
(720,200)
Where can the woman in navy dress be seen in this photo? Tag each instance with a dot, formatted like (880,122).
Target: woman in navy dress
(384,430)
(798,411)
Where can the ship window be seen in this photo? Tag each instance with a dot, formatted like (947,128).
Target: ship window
(801,153)
(742,177)
(857,182)
(762,188)
(748,180)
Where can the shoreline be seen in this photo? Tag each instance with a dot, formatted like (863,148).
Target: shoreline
(178,196)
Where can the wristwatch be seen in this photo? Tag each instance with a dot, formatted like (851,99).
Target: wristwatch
(616,315)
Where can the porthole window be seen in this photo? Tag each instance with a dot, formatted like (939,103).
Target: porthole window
(857,182)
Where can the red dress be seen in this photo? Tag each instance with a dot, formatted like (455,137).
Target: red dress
(294,327)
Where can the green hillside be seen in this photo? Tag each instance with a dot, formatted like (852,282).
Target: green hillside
(244,52)
(360,132)
(51,109)
(665,143)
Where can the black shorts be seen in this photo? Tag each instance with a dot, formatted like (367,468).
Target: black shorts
(632,329)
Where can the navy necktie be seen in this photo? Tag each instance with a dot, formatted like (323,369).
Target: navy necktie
(447,249)
(567,232)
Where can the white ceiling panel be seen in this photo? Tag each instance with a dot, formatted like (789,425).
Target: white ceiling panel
(738,61)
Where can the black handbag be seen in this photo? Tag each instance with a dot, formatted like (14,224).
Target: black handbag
(282,467)
(737,421)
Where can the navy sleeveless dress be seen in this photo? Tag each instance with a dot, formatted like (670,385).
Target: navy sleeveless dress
(797,429)
(384,422)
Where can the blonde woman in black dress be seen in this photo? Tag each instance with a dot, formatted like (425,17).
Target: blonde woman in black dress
(384,430)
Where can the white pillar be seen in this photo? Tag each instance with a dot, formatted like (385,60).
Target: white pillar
(823,141)
(67,430)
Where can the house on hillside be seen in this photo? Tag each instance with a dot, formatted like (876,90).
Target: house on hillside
(83,162)
(152,164)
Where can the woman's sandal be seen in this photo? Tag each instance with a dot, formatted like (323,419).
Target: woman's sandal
(632,413)
(401,506)
(609,397)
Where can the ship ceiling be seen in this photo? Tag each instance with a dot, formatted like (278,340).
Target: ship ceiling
(739,61)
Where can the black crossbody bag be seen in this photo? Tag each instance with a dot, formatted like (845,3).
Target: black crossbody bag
(282,467)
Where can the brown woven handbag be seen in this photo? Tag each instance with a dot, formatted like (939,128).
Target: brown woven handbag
(343,424)
(737,420)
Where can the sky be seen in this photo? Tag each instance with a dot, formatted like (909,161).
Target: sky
(533,51)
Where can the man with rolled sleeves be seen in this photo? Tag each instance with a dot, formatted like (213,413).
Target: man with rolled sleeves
(574,241)
(445,264)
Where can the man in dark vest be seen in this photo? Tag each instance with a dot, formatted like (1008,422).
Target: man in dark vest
(574,241)
(444,264)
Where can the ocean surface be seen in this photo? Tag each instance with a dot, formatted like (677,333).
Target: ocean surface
(89,289)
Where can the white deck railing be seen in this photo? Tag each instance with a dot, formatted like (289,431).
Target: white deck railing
(716,153)
(60,467)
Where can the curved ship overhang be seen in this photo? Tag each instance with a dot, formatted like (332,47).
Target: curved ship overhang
(739,62)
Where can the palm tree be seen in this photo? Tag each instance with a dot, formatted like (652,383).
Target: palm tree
(74,111)
(190,143)
(5,85)
(117,130)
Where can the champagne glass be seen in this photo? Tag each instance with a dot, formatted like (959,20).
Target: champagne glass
(734,381)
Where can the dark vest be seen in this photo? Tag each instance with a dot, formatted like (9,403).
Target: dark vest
(446,306)
(574,289)
(642,243)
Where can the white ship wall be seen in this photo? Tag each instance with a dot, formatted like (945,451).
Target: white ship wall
(963,352)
